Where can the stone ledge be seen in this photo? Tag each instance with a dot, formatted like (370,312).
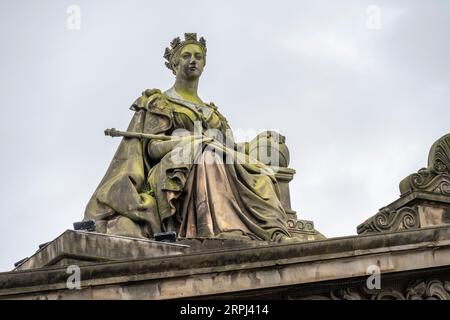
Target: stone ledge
(83,247)
(218,272)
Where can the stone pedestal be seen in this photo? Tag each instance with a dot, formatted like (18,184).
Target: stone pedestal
(411,264)
(81,247)
(405,246)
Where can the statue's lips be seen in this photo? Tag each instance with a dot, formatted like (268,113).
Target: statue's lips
(192,68)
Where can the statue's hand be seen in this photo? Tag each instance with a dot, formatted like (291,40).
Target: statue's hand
(159,148)
(242,147)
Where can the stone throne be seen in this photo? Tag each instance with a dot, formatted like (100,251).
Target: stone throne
(263,147)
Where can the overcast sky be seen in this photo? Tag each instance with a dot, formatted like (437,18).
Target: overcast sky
(359,100)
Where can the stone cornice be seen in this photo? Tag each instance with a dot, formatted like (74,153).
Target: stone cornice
(233,270)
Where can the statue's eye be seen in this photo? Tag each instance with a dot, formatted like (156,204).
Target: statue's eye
(198,56)
(186,56)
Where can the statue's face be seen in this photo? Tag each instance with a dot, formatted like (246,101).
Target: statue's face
(191,62)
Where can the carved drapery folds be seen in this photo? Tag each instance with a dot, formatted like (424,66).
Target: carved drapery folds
(416,290)
(436,177)
(388,220)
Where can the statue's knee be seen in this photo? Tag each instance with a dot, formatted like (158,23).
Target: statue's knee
(124,226)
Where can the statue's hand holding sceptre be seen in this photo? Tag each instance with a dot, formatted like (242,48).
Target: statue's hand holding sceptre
(160,144)
(117,133)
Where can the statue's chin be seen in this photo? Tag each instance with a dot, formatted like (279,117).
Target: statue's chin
(192,75)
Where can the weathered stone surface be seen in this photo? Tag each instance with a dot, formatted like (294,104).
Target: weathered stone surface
(301,229)
(436,177)
(172,153)
(412,211)
(207,244)
(411,287)
(272,271)
(82,247)
(424,199)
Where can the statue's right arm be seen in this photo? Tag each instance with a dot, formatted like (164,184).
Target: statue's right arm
(157,149)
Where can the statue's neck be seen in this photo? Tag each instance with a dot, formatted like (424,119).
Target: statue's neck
(187,89)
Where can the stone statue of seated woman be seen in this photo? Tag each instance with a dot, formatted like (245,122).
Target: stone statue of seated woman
(200,183)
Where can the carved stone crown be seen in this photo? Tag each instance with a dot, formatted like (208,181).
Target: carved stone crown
(177,44)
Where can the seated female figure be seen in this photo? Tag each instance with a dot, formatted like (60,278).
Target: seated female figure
(200,184)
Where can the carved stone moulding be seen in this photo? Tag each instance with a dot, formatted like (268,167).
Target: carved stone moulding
(304,229)
(424,197)
(391,220)
(436,177)
(295,225)
(432,289)
(426,180)
(414,211)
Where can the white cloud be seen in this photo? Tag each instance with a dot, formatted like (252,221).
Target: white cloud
(327,46)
